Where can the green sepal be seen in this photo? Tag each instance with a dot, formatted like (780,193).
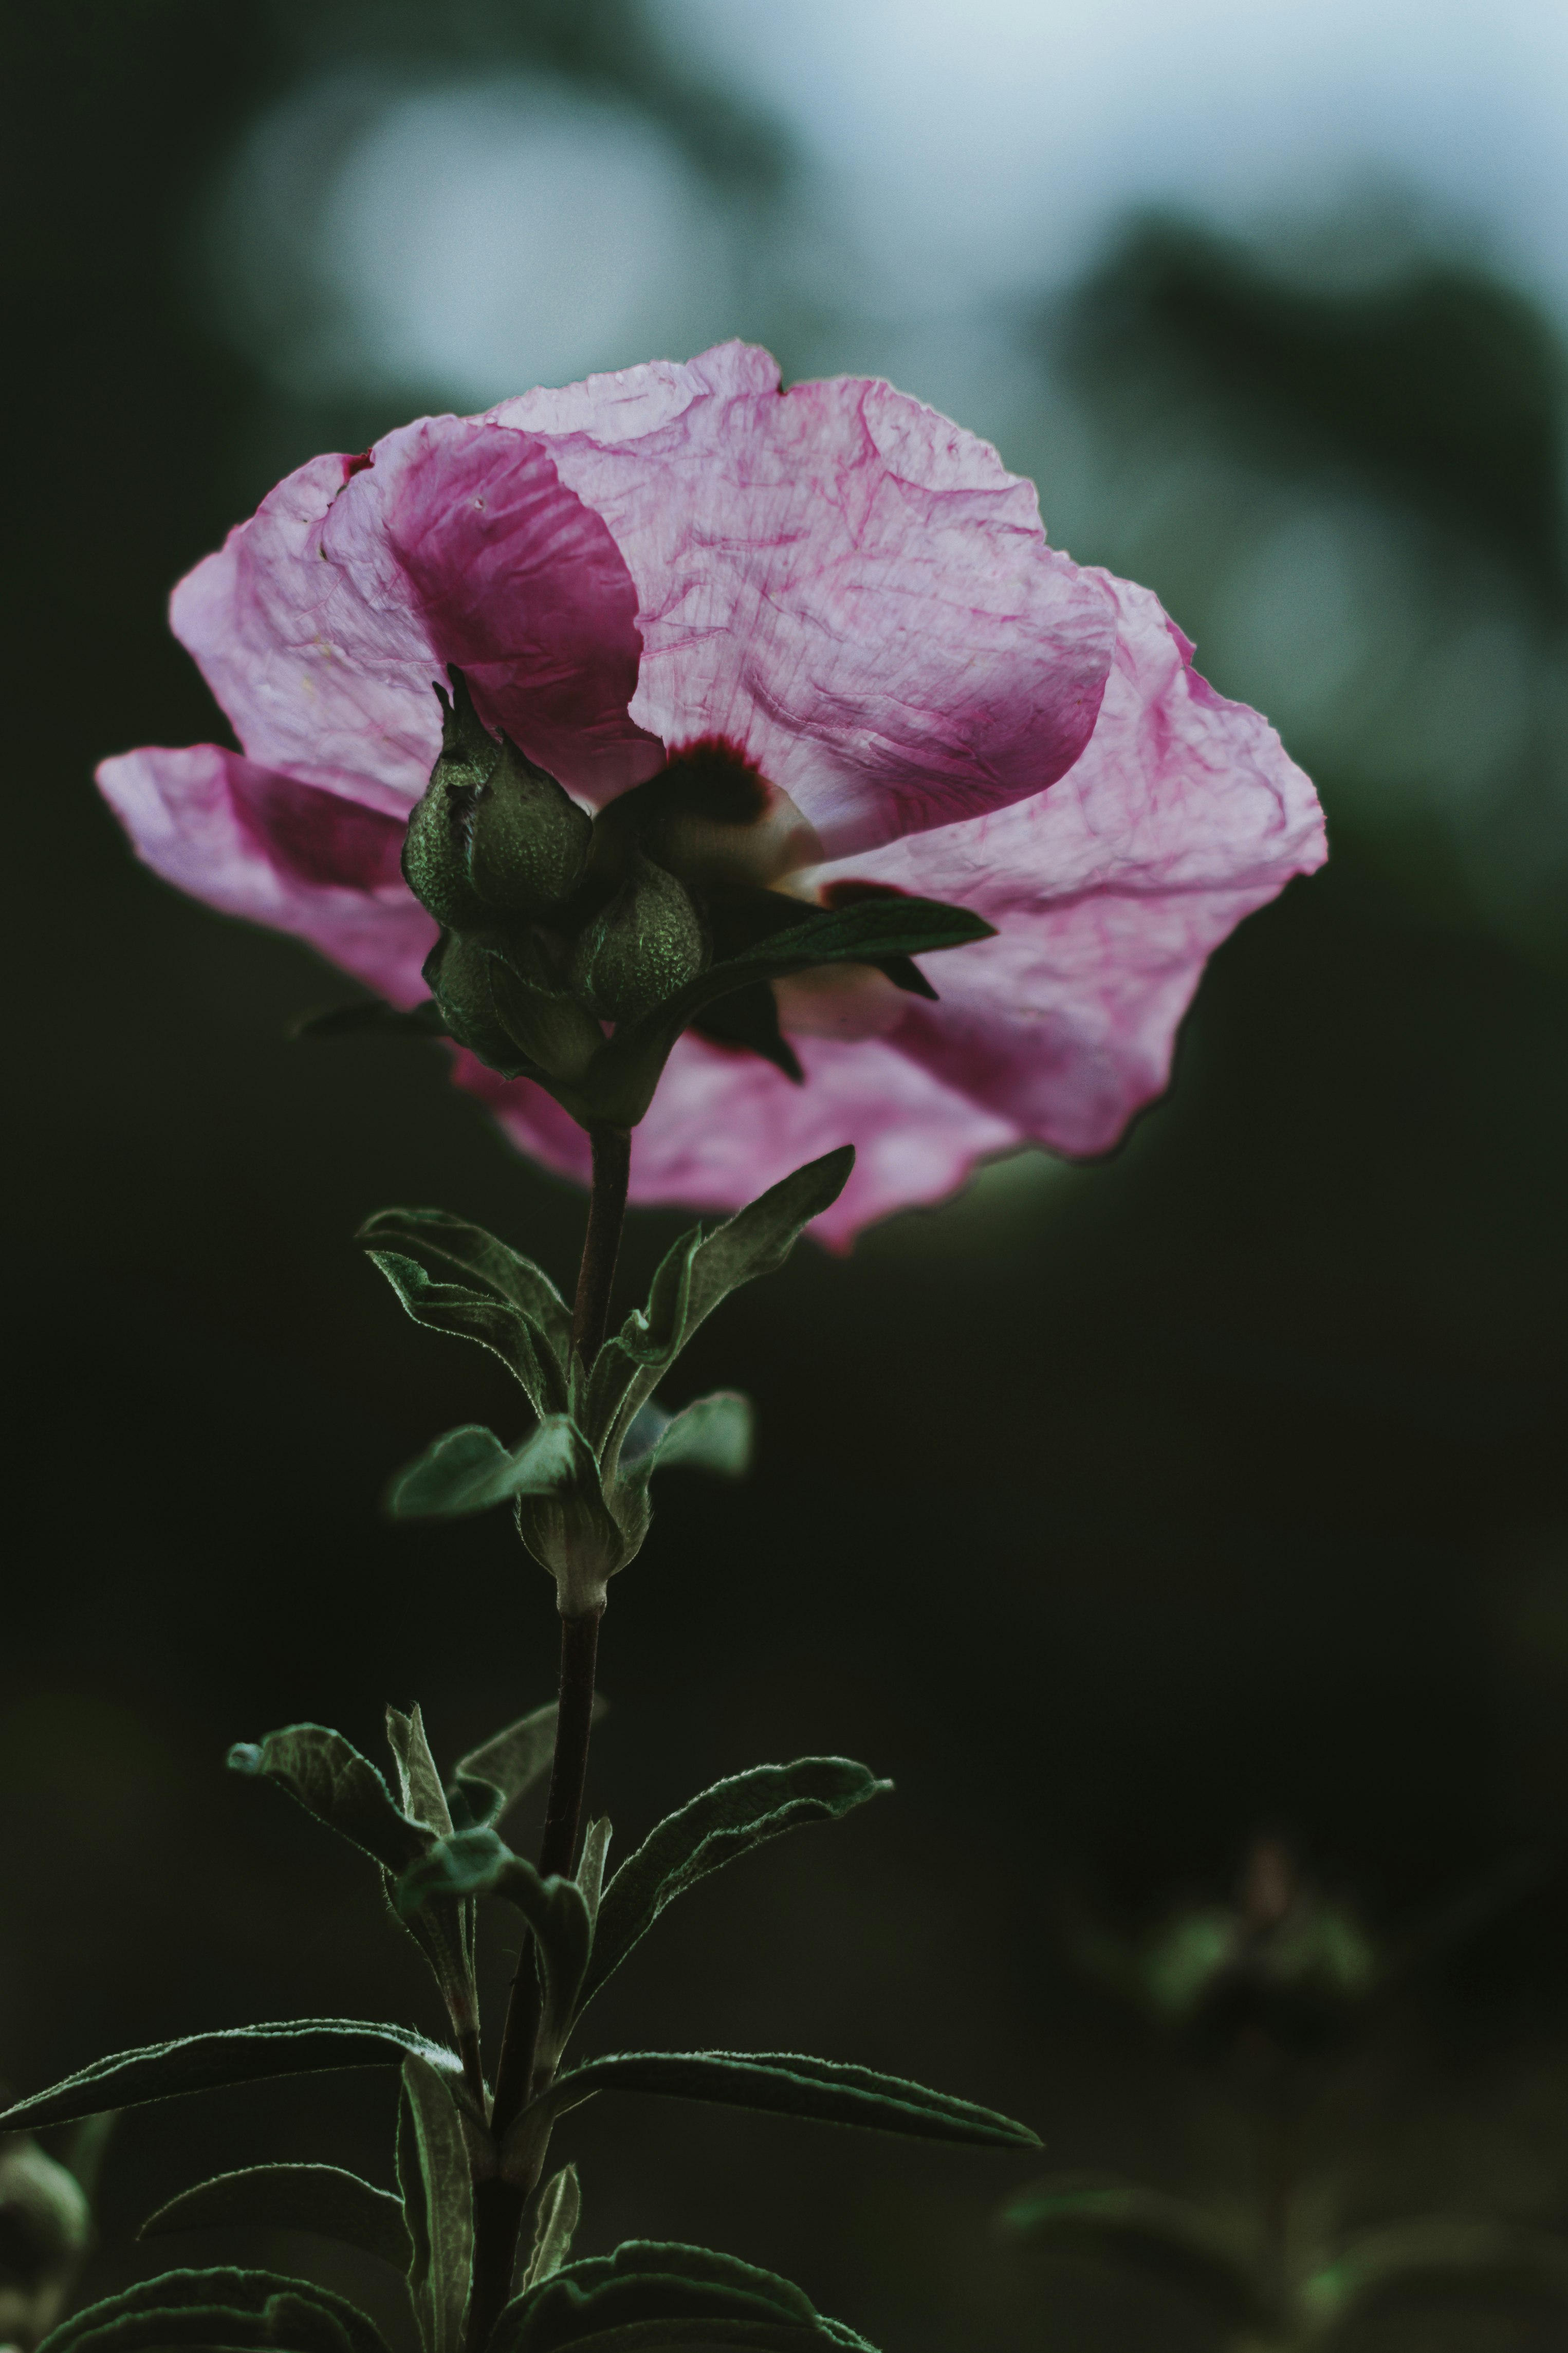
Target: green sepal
(647,2293)
(437,2205)
(507,1329)
(225,2307)
(696,1274)
(1431,2263)
(236,2054)
(1163,2237)
(319,2198)
(725,1822)
(477,1861)
(326,1775)
(560,2211)
(784,2082)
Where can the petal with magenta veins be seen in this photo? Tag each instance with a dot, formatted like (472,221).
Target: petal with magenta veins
(838,581)
(323,622)
(278,850)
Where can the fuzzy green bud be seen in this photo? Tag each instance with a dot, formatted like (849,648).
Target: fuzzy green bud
(457,974)
(492,834)
(646,944)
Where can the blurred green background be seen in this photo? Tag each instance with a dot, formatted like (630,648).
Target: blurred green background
(1120,1512)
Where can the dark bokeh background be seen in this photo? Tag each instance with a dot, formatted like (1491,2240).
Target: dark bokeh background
(1119,1513)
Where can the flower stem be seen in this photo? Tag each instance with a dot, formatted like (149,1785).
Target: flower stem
(497,2204)
(612,1148)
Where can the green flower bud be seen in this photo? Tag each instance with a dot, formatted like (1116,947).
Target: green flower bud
(552,1028)
(639,950)
(492,833)
(457,974)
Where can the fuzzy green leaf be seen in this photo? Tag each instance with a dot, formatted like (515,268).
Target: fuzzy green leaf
(650,2295)
(1142,2231)
(469,1470)
(493,1265)
(509,1332)
(437,2205)
(237,2054)
(560,2208)
(695,1275)
(419,1782)
(727,1820)
(477,1861)
(510,1763)
(321,2198)
(828,2091)
(713,1433)
(227,2307)
(327,1774)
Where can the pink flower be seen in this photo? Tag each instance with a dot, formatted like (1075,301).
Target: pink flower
(841,590)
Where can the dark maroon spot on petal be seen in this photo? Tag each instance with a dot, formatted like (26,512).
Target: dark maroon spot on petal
(317,837)
(712,779)
(352,466)
(845,893)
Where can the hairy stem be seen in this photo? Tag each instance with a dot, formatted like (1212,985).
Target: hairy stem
(612,1148)
(499,2205)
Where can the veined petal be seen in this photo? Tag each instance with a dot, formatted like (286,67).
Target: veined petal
(841,583)
(299,856)
(1108,892)
(321,624)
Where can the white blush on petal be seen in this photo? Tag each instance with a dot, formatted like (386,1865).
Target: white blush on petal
(842,1000)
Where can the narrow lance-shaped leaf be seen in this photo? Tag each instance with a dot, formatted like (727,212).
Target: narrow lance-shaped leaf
(509,1764)
(225,2306)
(1433,2263)
(327,1775)
(649,2294)
(560,2208)
(725,1822)
(697,1274)
(492,1265)
(437,2205)
(204,2062)
(1140,2231)
(424,1798)
(319,2198)
(786,2082)
(505,1330)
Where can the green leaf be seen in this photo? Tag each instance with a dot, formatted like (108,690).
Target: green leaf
(322,2197)
(647,2294)
(1432,2264)
(713,1433)
(826,2090)
(477,1861)
(591,1869)
(437,2205)
(560,2208)
(1142,2231)
(508,1332)
(330,1779)
(494,1265)
(696,1275)
(727,1820)
(237,2054)
(469,1470)
(511,1761)
(424,1799)
(228,2307)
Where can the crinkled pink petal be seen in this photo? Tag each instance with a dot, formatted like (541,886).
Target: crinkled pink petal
(838,581)
(279,850)
(725,1126)
(321,622)
(1108,892)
